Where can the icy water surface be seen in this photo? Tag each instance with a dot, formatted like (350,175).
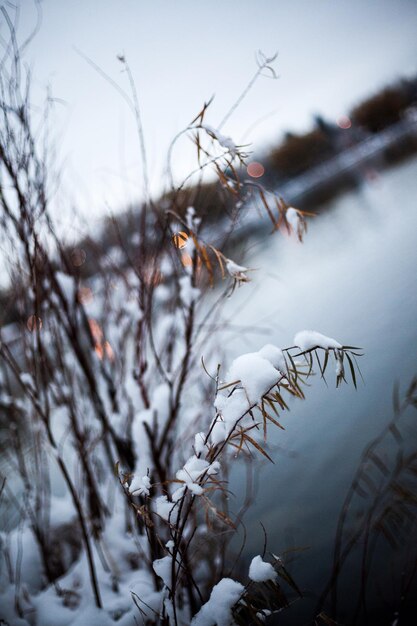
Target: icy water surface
(353,279)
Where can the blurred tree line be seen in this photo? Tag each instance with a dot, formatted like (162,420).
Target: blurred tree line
(294,156)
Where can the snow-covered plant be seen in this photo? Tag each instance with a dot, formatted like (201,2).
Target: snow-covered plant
(120,425)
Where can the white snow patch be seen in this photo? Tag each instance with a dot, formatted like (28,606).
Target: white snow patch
(165,509)
(260,571)
(193,222)
(263,614)
(161,403)
(230,411)
(308,339)
(217,611)
(296,222)
(225,142)
(93,617)
(67,285)
(140,485)
(236,271)
(27,379)
(159,412)
(188,293)
(256,374)
(275,356)
(199,444)
(193,470)
(163,569)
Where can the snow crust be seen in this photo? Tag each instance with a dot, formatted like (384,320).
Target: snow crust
(43,607)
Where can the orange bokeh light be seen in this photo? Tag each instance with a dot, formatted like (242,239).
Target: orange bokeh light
(152,277)
(95,330)
(255,169)
(78,257)
(101,348)
(85,295)
(186,260)
(108,350)
(104,350)
(344,122)
(34,323)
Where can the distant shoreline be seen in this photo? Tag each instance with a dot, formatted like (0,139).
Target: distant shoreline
(354,159)
(321,184)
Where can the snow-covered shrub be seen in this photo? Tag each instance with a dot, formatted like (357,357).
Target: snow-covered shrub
(120,429)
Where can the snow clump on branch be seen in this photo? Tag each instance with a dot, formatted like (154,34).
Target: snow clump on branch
(257,373)
(295,222)
(309,339)
(226,142)
(217,611)
(260,571)
(140,485)
(194,469)
(237,271)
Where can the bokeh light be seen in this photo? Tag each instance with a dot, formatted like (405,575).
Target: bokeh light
(255,169)
(95,330)
(34,323)
(186,260)
(78,257)
(344,122)
(108,351)
(85,295)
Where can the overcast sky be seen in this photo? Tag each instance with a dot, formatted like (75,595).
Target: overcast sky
(331,54)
